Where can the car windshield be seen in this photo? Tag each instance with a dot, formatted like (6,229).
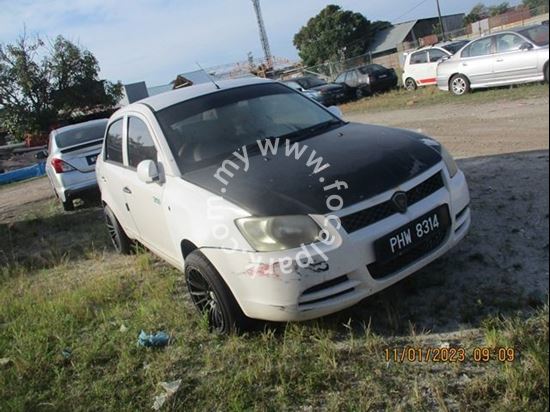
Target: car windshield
(294,85)
(205,130)
(309,82)
(537,34)
(454,47)
(79,135)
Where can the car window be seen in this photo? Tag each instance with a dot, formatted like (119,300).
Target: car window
(537,34)
(419,58)
(436,55)
(352,77)
(508,42)
(113,142)
(80,134)
(481,47)
(140,143)
(341,78)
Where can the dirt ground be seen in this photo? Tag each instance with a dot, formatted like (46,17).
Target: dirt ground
(476,130)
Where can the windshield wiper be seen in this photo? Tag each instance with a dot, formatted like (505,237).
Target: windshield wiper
(312,130)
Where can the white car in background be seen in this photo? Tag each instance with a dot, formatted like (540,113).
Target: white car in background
(505,58)
(71,158)
(420,67)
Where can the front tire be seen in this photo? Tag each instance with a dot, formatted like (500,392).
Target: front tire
(459,85)
(121,241)
(546,73)
(212,297)
(410,84)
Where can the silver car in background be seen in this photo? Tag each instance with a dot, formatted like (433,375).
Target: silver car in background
(500,59)
(72,155)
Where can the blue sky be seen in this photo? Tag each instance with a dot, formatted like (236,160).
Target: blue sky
(153,40)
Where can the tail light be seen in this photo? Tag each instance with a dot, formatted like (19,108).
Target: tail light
(60,166)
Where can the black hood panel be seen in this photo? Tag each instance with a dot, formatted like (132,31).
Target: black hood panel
(369,159)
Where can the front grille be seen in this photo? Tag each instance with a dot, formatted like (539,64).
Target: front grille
(326,285)
(366,217)
(380,270)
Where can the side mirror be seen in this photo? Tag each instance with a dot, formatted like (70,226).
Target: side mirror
(41,155)
(335,110)
(147,171)
(526,46)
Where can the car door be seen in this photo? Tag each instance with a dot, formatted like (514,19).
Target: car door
(477,61)
(113,175)
(434,58)
(146,200)
(513,60)
(419,67)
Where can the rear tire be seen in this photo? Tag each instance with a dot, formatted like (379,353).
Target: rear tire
(546,74)
(410,84)
(121,241)
(68,205)
(459,85)
(212,297)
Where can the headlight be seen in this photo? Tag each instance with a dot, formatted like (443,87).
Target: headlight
(449,161)
(452,168)
(268,234)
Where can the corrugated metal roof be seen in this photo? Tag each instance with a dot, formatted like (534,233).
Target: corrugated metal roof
(159,89)
(389,39)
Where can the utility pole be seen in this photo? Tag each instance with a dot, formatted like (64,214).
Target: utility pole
(263,34)
(441,21)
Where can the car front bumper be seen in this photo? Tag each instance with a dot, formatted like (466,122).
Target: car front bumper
(338,276)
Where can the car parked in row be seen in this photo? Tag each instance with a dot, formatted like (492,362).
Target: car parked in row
(258,232)
(420,67)
(71,158)
(312,94)
(505,58)
(367,80)
(329,93)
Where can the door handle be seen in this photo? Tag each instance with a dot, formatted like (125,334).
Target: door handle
(465,64)
(500,60)
(126,189)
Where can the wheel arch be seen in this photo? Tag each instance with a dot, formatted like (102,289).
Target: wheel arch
(186,247)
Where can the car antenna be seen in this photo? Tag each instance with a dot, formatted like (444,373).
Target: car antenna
(209,77)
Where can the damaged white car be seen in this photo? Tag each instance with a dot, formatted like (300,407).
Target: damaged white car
(273,206)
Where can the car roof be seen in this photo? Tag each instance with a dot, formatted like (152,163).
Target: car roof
(164,100)
(83,125)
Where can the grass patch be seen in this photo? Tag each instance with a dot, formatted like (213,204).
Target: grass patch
(69,326)
(427,96)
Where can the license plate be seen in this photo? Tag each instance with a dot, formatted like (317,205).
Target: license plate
(412,234)
(92,159)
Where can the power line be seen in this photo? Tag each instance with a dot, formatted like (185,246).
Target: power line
(411,10)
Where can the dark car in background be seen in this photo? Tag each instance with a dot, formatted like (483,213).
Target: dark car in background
(330,93)
(367,80)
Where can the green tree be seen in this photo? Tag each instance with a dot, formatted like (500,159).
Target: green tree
(335,34)
(41,84)
(541,5)
(499,9)
(478,12)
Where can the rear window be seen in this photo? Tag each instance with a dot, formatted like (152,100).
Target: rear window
(80,135)
(537,34)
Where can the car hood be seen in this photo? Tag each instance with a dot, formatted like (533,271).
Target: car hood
(332,87)
(369,159)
